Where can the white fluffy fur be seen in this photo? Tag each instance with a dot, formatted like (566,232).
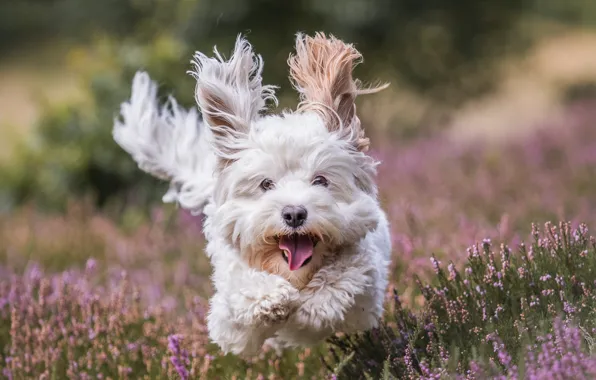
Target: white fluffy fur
(168,143)
(215,167)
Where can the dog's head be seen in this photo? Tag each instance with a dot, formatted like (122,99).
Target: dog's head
(295,187)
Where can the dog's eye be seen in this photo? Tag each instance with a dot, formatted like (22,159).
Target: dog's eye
(320,181)
(267,184)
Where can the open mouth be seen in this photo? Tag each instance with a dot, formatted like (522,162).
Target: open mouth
(297,249)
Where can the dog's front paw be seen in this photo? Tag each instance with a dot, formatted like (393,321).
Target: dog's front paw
(276,306)
(315,316)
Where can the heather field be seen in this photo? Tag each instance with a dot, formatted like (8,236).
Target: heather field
(487,143)
(493,276)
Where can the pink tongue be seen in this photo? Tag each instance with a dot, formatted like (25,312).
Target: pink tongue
(299,248)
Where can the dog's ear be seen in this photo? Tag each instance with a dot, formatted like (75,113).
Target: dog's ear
(230,94)
(321,71)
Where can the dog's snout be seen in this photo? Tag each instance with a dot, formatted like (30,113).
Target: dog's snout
(294,216)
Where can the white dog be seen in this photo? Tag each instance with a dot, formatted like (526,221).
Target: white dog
(299,245)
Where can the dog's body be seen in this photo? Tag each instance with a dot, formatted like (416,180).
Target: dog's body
(298,242)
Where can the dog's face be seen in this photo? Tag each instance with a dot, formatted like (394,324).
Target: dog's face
(295,193)
(292,188)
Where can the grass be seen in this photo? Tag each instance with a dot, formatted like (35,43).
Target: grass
(28,86)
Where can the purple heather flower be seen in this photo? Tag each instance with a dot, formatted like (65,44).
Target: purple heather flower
(504,357)
(521,271)
(545,277)
(560,356)
(452,272)
(6,372)
(475,252)
(567,308)
(34,273)
(90,266)
(179,357)
(531,253)
(436,264)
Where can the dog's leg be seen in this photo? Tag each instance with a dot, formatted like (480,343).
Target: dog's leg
(332,293)
(234,336)
(248,307)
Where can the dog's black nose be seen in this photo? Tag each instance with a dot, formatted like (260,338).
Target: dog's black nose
(294,216)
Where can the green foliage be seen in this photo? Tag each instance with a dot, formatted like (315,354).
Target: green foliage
(578,12)
(504,301)
(577,92)
(443,50)
(72,153)
(77,20)
(437,47)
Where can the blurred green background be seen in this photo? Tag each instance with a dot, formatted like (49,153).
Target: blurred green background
(476,69)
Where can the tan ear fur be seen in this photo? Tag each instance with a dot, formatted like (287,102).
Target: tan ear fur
(321,71)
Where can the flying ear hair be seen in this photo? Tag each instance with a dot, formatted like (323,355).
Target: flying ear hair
(321,71)
(230,94)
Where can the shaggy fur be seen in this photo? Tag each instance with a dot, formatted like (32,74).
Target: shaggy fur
(241,169)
